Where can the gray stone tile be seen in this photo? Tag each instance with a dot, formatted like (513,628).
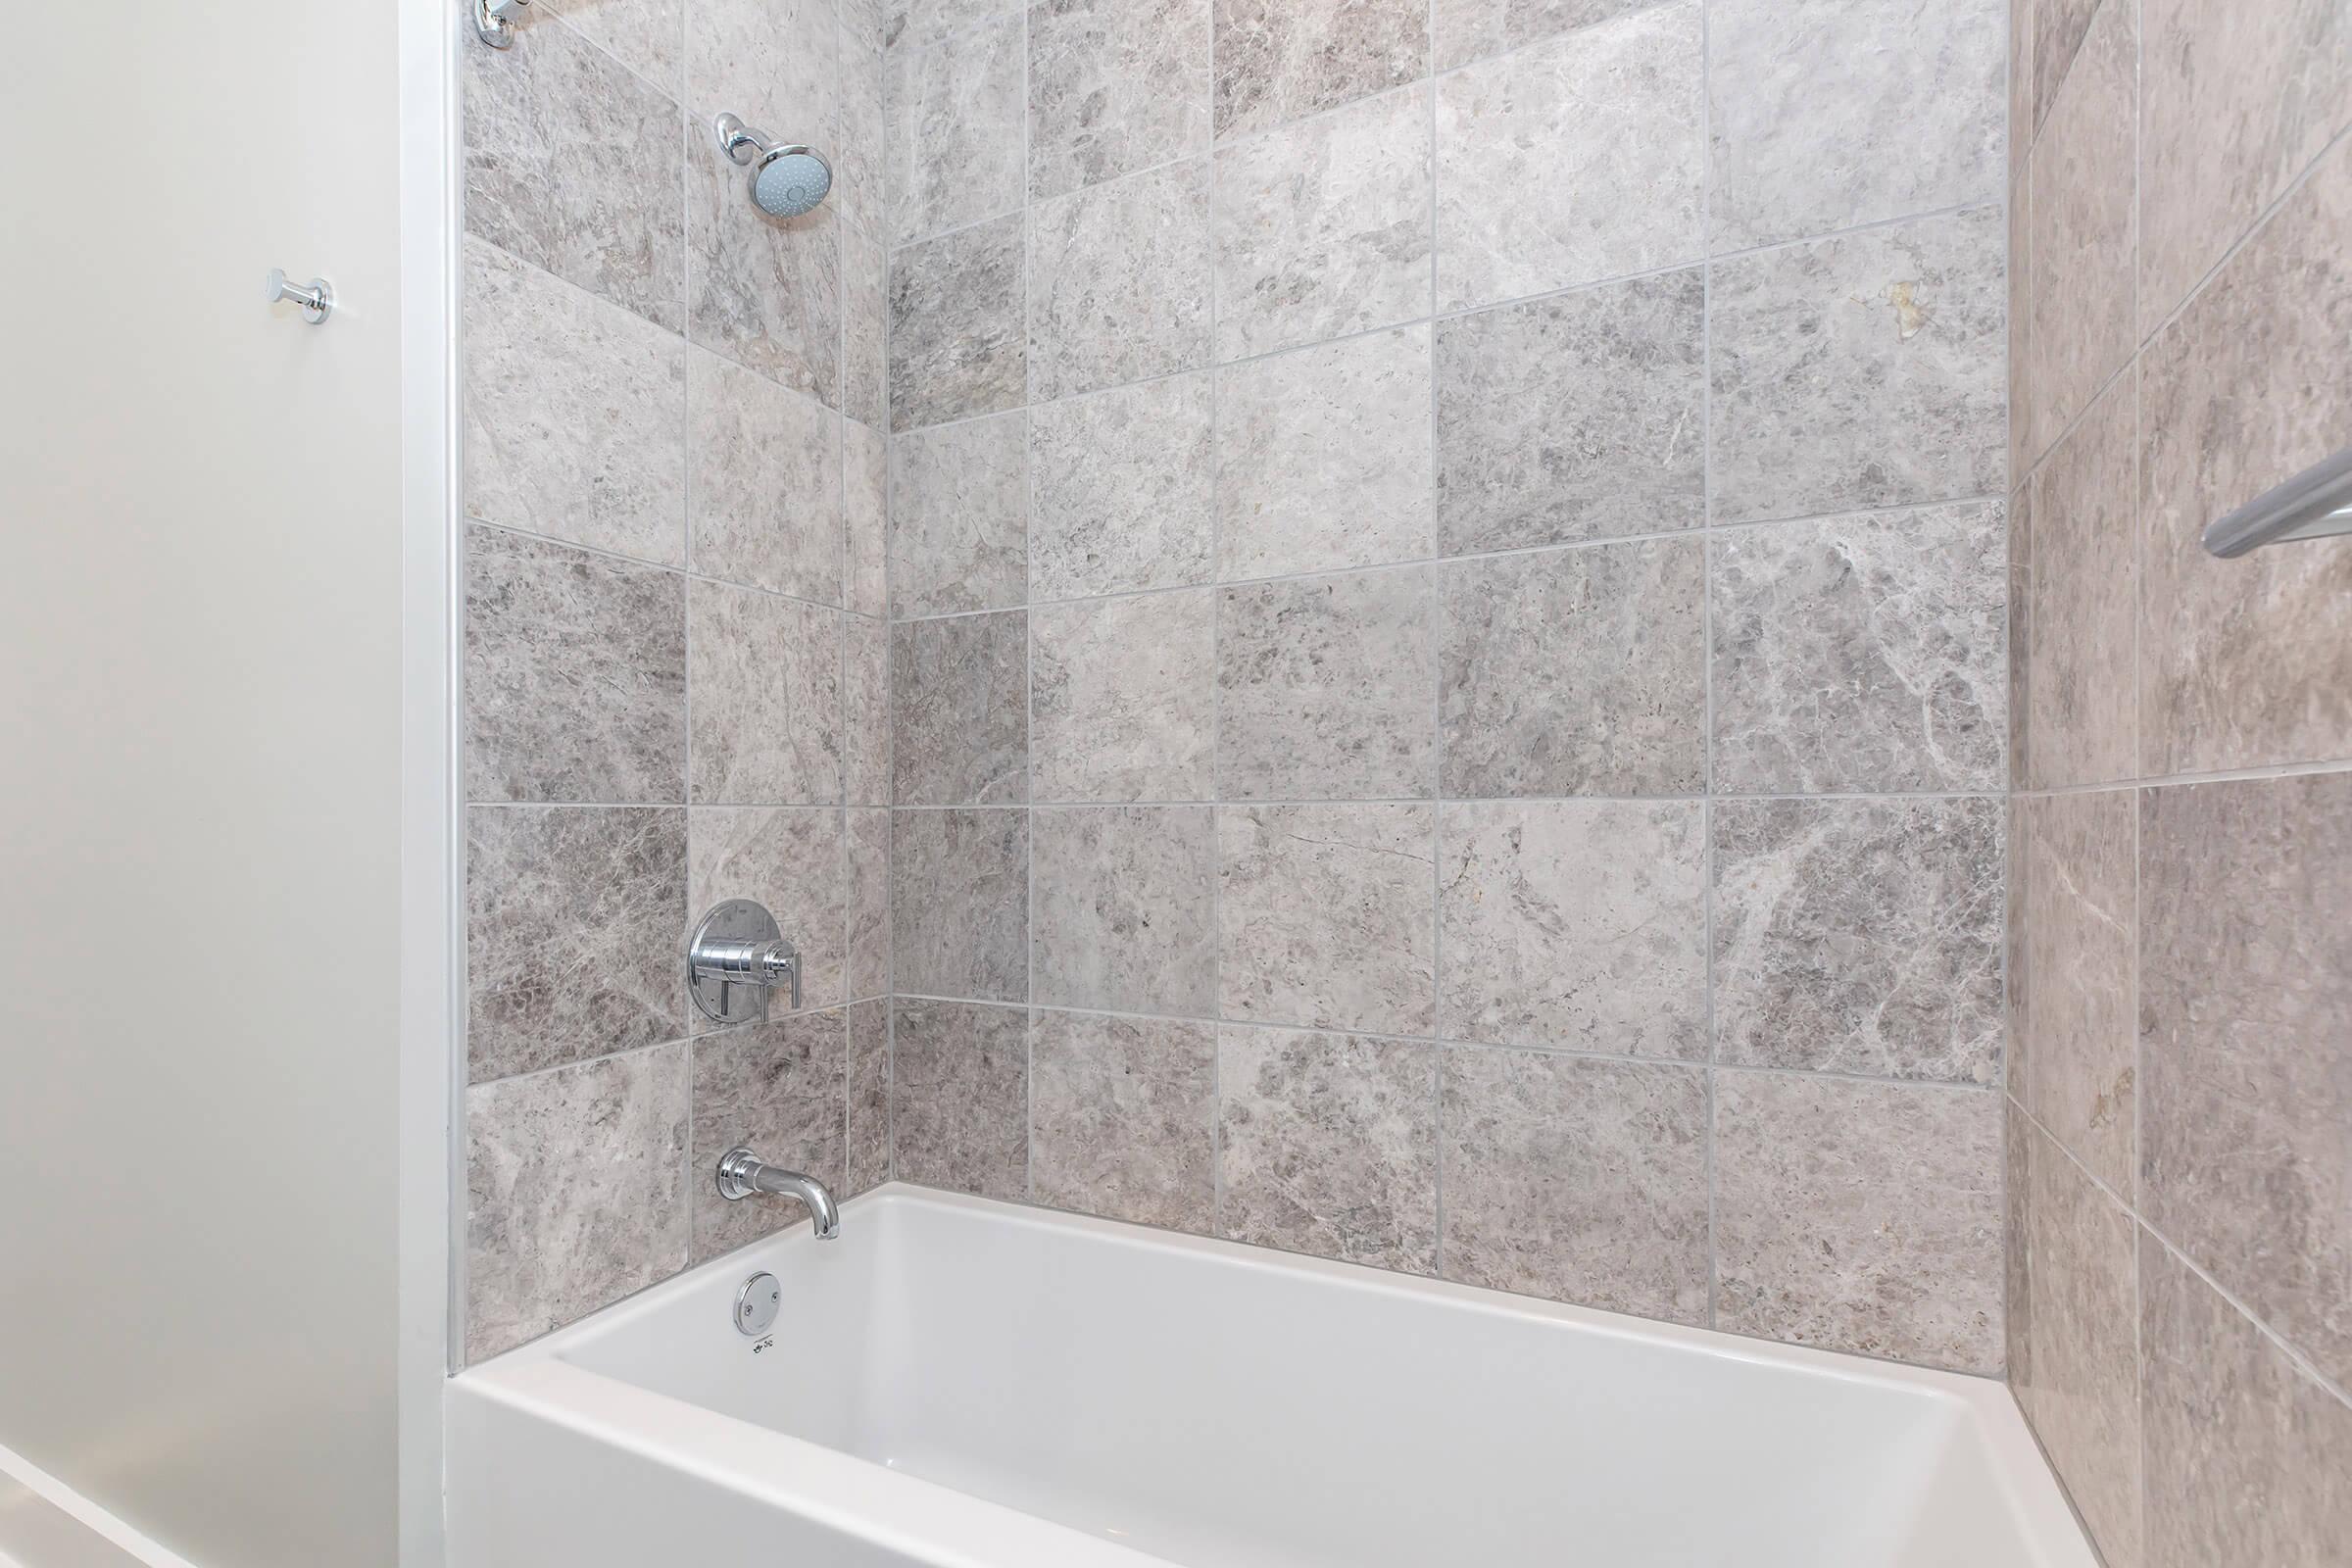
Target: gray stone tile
(2075,701)
(1324,688)
(1120,282)
(869,1096)
(866,712)
(2245,981)
(1123,490)
(764,292)
(1326,917)
(960,710)
(1577,1180)
(2236,102)
(1328,1145)
(1575,924)
(575,675)
(1572,161)
(572,165)
(1125,914)
(954,144)
(2079,1383)
(766,505)
(1860,936)
(2020,328)
(768,710)
(2245,1454)
(860,166)
(575,1191)
(919,23)
(575,413)
(2248,664)
(646,35)
(1575,672)
(2072,1039)
(1114,86)
(865,518)
(1322,228)
(1473,29)
(2053,31)
(960,903)
(774,63)
(1124,697)
(793,860)
(1278,59)
(1860,1216)
(2021,636)
(2079,244)
(2016,1317)
(1860,371)
(957,341)
(959,1097)
(572,923)
(866,325)
(1827,116)
(779,1087)
(867,835)
(959,517)
(1124,1118)
(1323,458)
(1861,654)
(1574,418)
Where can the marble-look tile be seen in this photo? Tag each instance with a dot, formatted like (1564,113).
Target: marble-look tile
(2079,1381)
(865,518)
(955,140)
(780,1088)
(864,711)
(2235,102)
(866,325)
(1124,697)
(1123,493)
(2053,30)
(1574,418)
(768,483)
(575,1189)
(1860,1216)
(1860,371)
(1328,1145)
(1576,671)
(959,517)
(960,710)
(1322,228)
(959,1097)
(956,339)
(767,713)
(572,165)
(646,35)
(1861,654)
(1125,914)
(1280,60)
(861,169)
(2022,449)
(1114,86)
(765,292)
(2249,662)
(1860,936)
(575,413)
(1326,917)
(1831,114)
(867,833)
(2017,1316)
(1572,161)
(774,63)
(2021,636)
(1120,282)
(2079,247)
(572,921)
(2076,700)
(2074,1038)
(2245,1454)
(1123,1116)
(1474,29)
(1577,1180)
(793,860)
(1577,925)
(2245,982)
(2021,94)
(960,903)
(1323,458)
(575,675)
(1324,688)
(868,1096)
(920,23)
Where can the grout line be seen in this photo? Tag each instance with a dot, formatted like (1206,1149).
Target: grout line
(1216,702)
(1253,802)
(1436,694)
(680,571)
(1706,479)
(1028,640)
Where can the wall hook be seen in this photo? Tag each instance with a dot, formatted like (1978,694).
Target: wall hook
(317,298)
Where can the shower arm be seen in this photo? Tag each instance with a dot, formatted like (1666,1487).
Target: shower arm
(739,141)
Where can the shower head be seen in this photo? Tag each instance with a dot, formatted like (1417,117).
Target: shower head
(787,179)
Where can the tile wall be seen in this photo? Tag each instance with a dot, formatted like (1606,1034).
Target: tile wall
(1449,575)
(2179,1084)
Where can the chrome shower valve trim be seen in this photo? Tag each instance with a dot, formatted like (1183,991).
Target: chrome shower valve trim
(736,956)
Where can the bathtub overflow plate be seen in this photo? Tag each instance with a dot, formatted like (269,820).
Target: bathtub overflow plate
(756,1304)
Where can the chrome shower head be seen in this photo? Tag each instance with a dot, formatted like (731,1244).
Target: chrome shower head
(787,179)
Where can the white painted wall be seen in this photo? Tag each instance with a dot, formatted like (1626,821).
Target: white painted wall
(200,777)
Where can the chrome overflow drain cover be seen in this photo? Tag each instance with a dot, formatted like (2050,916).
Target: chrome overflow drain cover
(756,1304)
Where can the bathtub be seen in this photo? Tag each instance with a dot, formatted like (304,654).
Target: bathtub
(958,1382)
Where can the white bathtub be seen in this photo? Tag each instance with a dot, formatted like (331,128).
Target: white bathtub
(960,1382)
